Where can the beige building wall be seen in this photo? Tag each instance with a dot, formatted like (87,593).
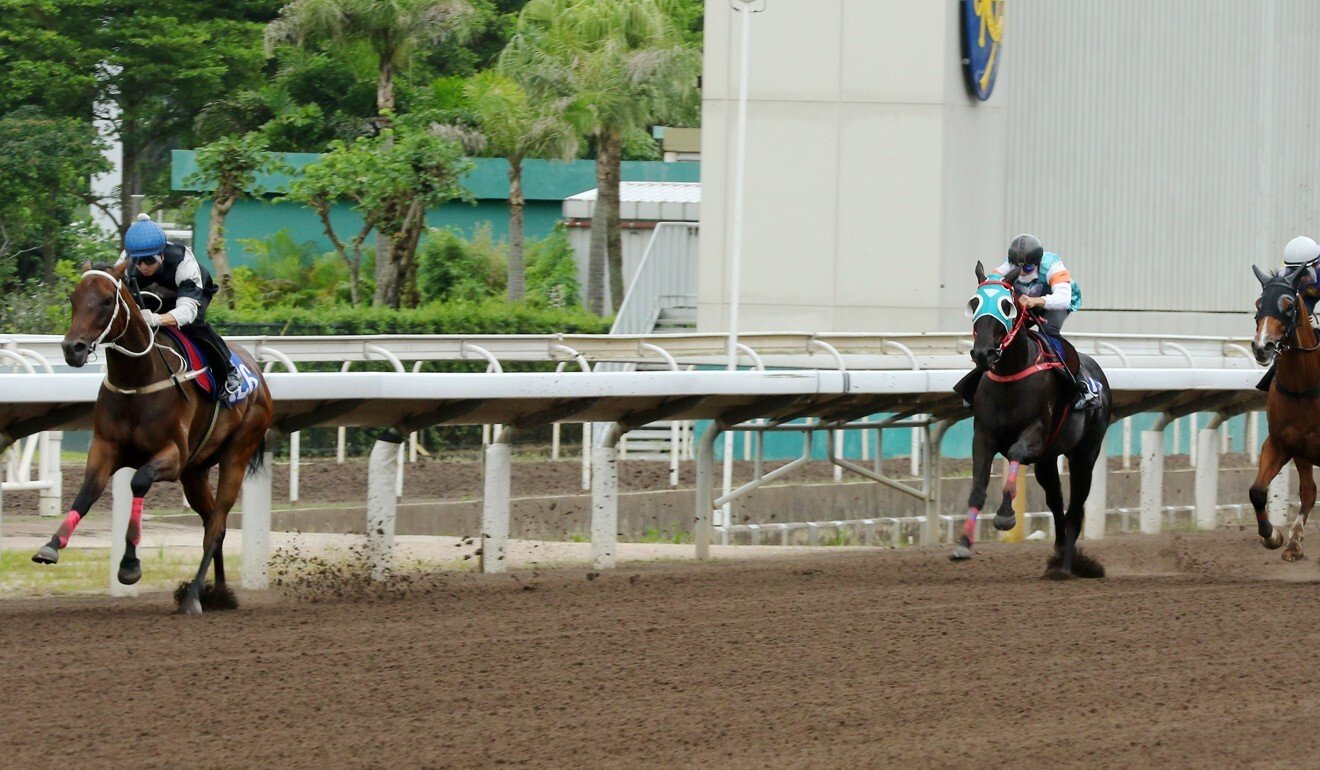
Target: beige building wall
(1160,148)
(858,123)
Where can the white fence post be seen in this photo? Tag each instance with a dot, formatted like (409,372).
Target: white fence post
(256,525)
(382,504)
(605,499)
(1152,481)
(51,473)
(495,502)
(1093,526)
(1207,478)
(121,490)
(1279,496)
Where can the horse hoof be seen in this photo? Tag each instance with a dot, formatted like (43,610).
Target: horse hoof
(1292,553)
(1054,573)
(1005,523)
(960,553)
(130,572)
(190,606)
(1273,541)
(46,555)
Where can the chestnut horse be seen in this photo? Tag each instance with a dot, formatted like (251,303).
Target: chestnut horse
(1018,411)
(1284,336)
(152,416)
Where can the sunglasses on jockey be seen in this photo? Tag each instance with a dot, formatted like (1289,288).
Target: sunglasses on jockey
(1025,267)
(149,259)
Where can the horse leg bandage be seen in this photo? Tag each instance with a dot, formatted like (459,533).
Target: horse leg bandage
(135,522)
(1010,479)
(969,526)
(66,529)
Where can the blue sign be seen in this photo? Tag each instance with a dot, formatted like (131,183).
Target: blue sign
(982,39)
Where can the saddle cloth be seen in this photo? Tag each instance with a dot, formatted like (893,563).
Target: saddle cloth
(206,381)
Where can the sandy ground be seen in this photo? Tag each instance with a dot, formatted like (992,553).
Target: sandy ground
(1195,651)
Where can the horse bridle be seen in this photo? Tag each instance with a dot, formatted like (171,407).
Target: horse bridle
(119,302)
(1290,331)
(1018,323)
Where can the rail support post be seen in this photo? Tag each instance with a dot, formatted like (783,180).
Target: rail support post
(930,533)
(605,497)
(382,505)
(701,520)
(121,492)
(1152,477)
(495,502)
(1207,474)
(256,525)
(1093,526)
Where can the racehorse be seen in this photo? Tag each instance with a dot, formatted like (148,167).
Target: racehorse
(1018,411)
(1284,335)
(152,415)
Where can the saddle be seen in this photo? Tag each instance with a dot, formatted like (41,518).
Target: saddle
(197,360)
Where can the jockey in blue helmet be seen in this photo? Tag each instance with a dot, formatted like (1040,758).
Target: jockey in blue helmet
(155,262)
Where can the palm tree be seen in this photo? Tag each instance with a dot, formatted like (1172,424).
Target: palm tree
(393,29)
(624,64)
(518,127)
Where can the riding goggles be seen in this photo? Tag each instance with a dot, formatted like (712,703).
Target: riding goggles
(1029,267)
(149,259)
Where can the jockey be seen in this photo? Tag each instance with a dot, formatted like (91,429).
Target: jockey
(1304,252)
(154,261)
(1046,285)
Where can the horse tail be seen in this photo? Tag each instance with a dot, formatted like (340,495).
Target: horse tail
(258,459)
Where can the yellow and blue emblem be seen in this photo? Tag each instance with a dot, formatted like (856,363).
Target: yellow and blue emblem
(982,41)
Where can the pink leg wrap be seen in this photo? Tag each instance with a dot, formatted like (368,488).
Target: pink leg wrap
(135,522)
(1010,479)
(969,526)
(66,529)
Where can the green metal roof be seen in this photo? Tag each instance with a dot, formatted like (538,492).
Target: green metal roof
(489,177)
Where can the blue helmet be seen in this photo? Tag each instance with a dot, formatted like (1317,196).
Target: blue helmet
(144,238)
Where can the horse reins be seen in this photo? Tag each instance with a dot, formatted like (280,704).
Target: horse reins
(174,379)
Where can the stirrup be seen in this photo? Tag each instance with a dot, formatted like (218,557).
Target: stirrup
(233,383)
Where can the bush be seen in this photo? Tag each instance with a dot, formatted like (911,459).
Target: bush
(286,273)
(552,272)
(488,317)
(451,268)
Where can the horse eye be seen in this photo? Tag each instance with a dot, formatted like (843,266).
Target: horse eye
(973,305)
(1258,304)
(1006,307)
(1285,303)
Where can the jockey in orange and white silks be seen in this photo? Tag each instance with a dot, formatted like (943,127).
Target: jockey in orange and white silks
(1049,288)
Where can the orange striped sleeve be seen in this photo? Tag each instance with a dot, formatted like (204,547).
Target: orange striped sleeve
(1063,276)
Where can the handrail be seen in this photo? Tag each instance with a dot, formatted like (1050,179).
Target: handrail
(667,268)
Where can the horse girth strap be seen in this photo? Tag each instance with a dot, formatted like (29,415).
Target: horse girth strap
(210,428)
(172,381)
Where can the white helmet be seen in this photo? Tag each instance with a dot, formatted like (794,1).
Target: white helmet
(1300,251)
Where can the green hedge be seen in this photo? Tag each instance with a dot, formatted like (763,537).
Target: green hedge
(494,317)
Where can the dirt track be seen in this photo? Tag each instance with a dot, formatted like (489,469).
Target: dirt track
(1197,650)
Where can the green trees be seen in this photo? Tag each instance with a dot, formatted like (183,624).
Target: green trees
(232,164)
(624,64)
(392,179)
(517,127)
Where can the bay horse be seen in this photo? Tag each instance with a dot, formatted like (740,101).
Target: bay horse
(151,415)
(1019,411)
(1285,337)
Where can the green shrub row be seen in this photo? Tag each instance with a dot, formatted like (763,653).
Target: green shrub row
(490,317)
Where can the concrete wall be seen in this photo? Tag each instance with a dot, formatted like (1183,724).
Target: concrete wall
(871,173)
(1160,147)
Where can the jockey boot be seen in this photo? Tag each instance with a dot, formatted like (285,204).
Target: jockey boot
(1267,380)
(1075,387)
(228,379)
(966,387)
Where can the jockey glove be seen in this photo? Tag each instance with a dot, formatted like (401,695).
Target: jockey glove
(151,317)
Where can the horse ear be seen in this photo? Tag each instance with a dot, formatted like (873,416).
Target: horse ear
(1261,275)
(118,270)
(87,265)
(1292,275)
(1012,275)
(980,272)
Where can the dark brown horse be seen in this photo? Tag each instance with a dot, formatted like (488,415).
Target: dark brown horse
(1284,336)
(1018,411)
(151,416)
